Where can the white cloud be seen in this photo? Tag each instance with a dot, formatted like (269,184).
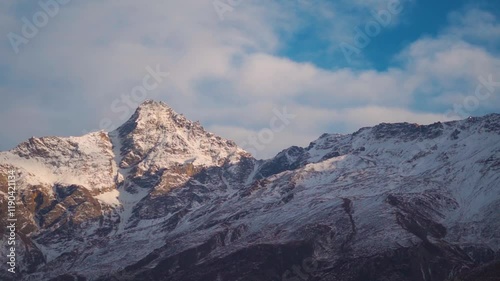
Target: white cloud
(226,73)
(476,25)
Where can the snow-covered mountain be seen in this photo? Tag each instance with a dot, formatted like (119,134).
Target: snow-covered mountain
(162,199)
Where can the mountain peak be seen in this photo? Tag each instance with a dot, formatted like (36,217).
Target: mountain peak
(154,115)
(157,134)
(150,108)
(153,103)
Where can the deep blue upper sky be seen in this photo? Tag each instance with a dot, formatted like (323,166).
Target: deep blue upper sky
(422,18)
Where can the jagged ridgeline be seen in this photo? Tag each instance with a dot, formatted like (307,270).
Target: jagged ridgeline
(160,198)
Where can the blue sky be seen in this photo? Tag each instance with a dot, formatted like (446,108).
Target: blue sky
(232,69)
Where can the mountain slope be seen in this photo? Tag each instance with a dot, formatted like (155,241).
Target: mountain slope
(162,199)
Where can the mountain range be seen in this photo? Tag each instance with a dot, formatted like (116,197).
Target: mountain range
(160,198)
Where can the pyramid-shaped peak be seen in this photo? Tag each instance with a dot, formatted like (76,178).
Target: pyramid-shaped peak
(159,136)
(151,115)
(155,105)
(157,110)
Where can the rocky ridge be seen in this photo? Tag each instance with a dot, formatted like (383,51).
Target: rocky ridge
(162,199)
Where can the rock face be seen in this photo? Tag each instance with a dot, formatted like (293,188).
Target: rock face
(162,199)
